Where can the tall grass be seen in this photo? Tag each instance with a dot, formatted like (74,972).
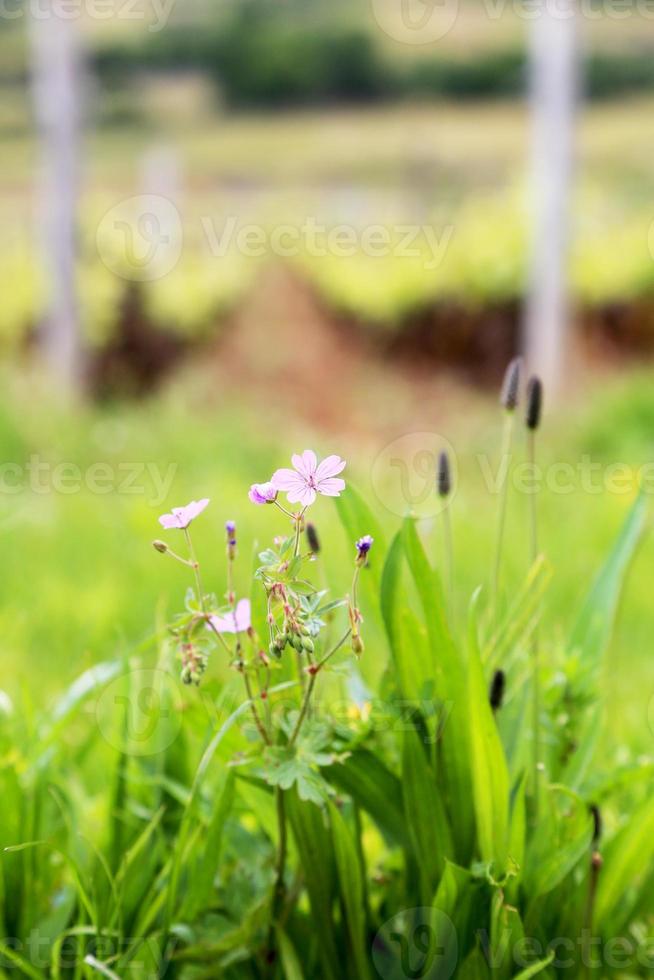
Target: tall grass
(149,830)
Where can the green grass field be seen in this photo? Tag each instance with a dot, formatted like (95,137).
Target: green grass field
(145,823)
(82,582)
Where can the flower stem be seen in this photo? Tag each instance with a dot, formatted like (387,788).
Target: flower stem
(310,686)
(505,462)
(255,714)
(196,568)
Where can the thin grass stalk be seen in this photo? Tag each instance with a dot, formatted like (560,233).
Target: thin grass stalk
(532,420)
(448,542)
(505,457)
(535,644)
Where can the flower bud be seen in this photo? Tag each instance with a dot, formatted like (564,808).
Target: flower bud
(307,644)
(511,385)
(357,644)
(534,403)
(230,528)
(363,546)
(160,546)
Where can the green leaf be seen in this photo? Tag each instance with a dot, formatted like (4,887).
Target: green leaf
(627,857)
(286,767)
(377,791)
(316,855)
(352,891)
(592,633)
(535,968)
(490,777)
(425,813)
(407,637)
(289,958)
(204,863)
(561,840)
(448,669)
(507,931)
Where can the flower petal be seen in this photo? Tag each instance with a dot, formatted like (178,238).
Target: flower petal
(243,615)
(304,495)
(306,463)
(330,466)
(197,506)
(169,521)
(287,480)
(331,487)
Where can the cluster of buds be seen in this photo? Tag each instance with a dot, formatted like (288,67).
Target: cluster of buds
(194,664)
(295,635)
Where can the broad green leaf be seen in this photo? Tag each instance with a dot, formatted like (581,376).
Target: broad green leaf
(561,840)
(289,958)
(352,890)
(592,633)
(627,857)
(377,791)
(448,668)
(506,932)
(425,813)
(316,855)
(490,777)
(463,901)
(407,637)
(204,864)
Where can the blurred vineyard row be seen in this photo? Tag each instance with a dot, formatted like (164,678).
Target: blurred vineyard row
(480,266)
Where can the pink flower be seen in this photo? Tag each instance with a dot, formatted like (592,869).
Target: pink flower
(238,621)
(310,477)
(181,517)
(263,493)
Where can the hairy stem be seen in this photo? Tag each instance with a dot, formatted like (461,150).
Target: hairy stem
(310,686)
(196,568)
(253,707)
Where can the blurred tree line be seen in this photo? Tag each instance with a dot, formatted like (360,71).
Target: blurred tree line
(262,54)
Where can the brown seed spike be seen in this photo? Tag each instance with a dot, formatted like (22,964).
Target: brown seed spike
(498,685)
(511,386)
(313,539)
(534,403)
(597,822)
(444,475)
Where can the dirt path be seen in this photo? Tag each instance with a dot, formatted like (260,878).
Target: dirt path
(285,352)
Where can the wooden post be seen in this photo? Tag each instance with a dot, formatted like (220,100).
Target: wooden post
(56,73)
(554,88)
